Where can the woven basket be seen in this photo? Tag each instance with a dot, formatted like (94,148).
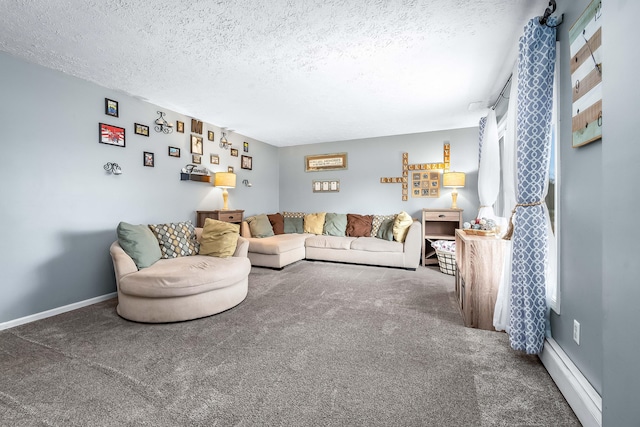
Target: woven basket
(447,262)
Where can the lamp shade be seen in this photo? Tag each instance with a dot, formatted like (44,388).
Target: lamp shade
(453,179)
(225,180)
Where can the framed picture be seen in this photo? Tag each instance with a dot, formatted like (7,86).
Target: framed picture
(174,152)
(330,186)
(245,147)
(196,159)
(110,107)
(214,159)
(141,129)
(210,136)
(111,135)
(234,152)
(196,144)
(148,159)
(230,169)
(180,126)
(246,162)
(325,162)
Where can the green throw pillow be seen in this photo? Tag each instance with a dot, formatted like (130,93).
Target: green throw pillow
(219,238)
(260,226)
(335,224)
(139,243)
(385,231)
(293,225)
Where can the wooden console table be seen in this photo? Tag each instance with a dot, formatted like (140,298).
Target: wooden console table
(226,216)
(479,260)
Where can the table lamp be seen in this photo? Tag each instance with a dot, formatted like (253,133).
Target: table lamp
(453,180)
(225,180)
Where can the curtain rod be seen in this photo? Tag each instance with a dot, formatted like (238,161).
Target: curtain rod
(501,96)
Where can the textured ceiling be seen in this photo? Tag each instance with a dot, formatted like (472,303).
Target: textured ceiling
(285,72)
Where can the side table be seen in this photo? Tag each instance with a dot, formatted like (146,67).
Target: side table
(233,216)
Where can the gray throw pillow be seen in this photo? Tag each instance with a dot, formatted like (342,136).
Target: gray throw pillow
(293,225)
(260,226)
(335,224)
(139,243)
(386,230)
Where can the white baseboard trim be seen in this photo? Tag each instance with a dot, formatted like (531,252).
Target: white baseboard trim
(55,311)
(581,396)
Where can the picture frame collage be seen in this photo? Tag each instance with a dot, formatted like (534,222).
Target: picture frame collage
(114,135)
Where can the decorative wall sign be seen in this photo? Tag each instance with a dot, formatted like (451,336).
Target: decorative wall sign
(406,167)
(196,144)
(191,173)
(196,126)
(148,159)
(110,107)
(141,129)
(174,152)
(180,126)
(111,135)
(246,162)
(330,186)
(585,37)
(325,162)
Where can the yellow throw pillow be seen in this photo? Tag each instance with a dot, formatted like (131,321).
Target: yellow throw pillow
(314,223)
(400,226)
(219,238)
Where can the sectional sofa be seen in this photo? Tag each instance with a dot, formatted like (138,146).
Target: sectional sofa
(279,248)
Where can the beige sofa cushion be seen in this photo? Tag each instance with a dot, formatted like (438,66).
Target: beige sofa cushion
(373,244)
(278,244)
(332,242)
(185,276)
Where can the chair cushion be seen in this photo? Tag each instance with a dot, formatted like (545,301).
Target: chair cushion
(176,239)
(332,242)
(139,242)
(373,244)
(219,238)
(275,245)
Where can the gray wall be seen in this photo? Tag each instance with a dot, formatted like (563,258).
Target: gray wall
(372,158)
(60,208)
(580,232)
(620,205)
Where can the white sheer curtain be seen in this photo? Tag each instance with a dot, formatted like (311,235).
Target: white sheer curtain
(503,308)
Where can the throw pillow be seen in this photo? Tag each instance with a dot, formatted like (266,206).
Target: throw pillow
(335,225)
(359,225)
(260,226)
(377,220)
(401,226)
(314,223)
(385,230)
(293,214)
(293,225)
(219,238)
(176,239)
(139,243)
(277,223)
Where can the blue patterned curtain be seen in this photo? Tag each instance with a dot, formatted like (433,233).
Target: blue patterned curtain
(536,63)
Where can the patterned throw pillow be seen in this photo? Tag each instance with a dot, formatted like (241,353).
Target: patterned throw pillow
(377,221)
(176,239)
(293,214)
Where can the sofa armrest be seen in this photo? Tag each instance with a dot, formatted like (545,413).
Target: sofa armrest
(413,245)
(122,263)
(242,248)
(245,231)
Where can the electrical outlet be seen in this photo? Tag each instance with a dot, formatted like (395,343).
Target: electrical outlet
(576,331)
